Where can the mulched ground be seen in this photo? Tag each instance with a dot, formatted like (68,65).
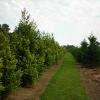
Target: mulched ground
(35,92)
(91,81)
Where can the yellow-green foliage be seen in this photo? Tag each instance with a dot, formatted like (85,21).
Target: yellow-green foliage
(25,54)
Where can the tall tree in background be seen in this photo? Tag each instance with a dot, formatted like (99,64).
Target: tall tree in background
(4,28)
(93,53)
(83,52)
(88,53)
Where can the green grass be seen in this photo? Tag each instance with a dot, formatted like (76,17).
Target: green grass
(66,83)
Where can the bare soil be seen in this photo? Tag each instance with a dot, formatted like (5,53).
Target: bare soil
(91,81)
(35,92)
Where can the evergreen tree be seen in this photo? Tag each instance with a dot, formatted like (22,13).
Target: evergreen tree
(83,52)
(88,53)
(1,85)
(93,52)
(10,75)
(4,28)
(26,58)
(0,28)
(25,54)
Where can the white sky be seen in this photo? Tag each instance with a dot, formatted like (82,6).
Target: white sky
(70,20)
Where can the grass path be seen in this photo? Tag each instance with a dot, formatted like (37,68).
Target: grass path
(66,83)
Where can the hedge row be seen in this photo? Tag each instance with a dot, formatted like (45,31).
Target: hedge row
(88,54)
(25,54)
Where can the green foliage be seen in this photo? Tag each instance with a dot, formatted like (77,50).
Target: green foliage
(4,28)
(25,54)
(1,85)
(89,53)
(35,51)
(93,52)
(26,58)
(10,75)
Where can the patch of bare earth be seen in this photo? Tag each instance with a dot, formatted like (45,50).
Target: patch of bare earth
(35,92)
(91,81)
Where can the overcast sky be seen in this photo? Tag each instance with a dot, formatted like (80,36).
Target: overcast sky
(70,20)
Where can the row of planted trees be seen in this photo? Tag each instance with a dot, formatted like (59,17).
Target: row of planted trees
(25,54)
(88,54)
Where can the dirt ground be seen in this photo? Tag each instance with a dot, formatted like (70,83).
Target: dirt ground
(91,81)
(35,92)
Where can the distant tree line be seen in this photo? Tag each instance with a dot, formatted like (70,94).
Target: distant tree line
(25,53)
(88,54)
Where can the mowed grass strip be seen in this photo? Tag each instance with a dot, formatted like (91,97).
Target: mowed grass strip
(66,83)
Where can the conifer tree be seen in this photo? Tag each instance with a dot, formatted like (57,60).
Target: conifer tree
(1,85)
(10,75)
(26,58)
(83,52)
(93,51)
